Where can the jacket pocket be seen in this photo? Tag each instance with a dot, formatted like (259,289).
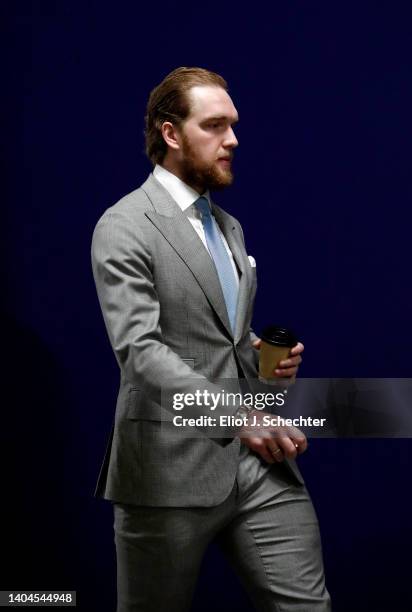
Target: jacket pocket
(190,362)
(140,408)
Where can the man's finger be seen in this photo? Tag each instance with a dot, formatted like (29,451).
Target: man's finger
(290,361)
(296,350)
(288,447)
(301,444)
(275,451)
(298,438)
(286,371)
(258,445)
(265,453)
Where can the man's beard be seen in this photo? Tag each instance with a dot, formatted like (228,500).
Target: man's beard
(200,174)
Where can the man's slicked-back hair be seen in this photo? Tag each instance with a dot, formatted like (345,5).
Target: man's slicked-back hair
(169,101)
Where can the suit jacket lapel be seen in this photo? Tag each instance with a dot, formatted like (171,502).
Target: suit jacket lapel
(176,228)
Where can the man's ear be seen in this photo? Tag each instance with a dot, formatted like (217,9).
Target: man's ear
(171,135)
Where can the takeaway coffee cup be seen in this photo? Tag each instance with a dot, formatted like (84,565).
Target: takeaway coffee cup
(275,346)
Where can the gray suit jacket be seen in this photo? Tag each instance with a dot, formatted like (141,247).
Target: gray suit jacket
(167,322)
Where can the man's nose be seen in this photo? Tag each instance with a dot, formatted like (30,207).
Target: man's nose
(230,139)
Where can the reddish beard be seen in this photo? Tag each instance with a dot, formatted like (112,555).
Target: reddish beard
(200,174)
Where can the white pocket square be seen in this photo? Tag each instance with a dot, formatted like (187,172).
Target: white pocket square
(252,261)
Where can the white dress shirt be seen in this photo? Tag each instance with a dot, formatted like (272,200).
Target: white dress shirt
(185,197)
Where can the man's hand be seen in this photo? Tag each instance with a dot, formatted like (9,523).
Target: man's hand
(287,367)
(272,443)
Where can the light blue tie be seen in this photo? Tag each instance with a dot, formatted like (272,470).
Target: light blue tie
(221,258)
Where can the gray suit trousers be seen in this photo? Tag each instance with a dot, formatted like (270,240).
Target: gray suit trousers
(268,531)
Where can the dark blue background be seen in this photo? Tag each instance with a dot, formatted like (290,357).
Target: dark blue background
(323,190)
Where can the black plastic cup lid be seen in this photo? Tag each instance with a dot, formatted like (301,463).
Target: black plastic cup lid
(279,336)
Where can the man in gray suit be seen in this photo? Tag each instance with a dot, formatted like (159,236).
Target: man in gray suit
(176,288)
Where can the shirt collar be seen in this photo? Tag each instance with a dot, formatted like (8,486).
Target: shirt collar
(183,195)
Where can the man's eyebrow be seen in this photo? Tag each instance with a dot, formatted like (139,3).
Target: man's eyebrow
(218,118)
